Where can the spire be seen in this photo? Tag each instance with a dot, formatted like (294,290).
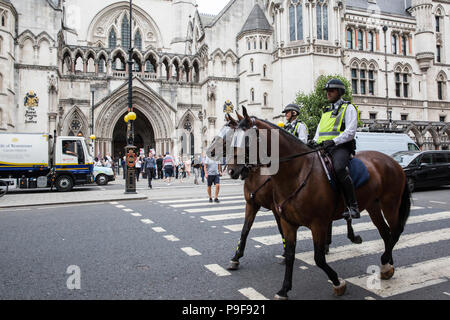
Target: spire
(256,21)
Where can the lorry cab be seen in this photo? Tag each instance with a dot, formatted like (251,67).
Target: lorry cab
(73,163)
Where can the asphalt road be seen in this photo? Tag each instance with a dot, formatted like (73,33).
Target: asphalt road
(178,247)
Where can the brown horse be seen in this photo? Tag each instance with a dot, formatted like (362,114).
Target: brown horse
(258,193)
(303,196)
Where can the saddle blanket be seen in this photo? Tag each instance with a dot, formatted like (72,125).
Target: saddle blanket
(358,172)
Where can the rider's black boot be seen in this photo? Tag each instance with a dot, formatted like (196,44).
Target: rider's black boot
(350,199)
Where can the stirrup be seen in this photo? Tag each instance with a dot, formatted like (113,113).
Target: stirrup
(351,213)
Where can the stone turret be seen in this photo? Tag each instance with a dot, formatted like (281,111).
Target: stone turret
(182,10)
(425,41)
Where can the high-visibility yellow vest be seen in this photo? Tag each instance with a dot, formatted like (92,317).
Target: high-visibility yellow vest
(331,124)
(294,132)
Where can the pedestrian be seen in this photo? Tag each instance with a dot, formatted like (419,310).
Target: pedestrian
(150,167)
(159,166)
(202,167)
(181,169)
(168,165)
(187,168)
(213,173)
(138,167)
(124,166)
(196,164)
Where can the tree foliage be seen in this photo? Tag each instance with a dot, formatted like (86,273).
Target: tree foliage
(312,104)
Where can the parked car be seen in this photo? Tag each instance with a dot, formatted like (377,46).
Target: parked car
(425,169)
(388,143)
(103,175)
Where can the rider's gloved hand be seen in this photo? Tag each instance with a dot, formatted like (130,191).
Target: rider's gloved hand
(328,144)
(312,144)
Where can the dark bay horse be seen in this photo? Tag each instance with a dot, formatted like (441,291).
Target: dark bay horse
(258,193)
(303,196)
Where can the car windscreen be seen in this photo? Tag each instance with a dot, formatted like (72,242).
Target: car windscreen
(404,159)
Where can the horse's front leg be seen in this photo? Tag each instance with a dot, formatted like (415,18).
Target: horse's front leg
(319,233)
(329,238)
(280,229)
(250,214)
(290,232)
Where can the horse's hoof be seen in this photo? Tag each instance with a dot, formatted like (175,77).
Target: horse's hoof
(357,240)
(234,265)
(340,290)
(281,298)
(387,271)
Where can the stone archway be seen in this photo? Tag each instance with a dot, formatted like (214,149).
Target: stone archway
(154,126)
(144,136)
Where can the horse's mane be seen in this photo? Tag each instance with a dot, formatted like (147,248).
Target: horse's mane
(288,135)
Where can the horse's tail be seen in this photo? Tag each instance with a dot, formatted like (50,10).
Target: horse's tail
(405,208)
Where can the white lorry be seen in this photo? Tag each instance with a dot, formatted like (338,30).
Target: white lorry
(388,143)
(41,161)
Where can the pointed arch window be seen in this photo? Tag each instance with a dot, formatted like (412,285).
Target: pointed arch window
(112,39)
(252,95)
(370,41)
(441,86)
(3,20)
(125,32)
(349,39)
(296,20)
(138,41)
(322,20)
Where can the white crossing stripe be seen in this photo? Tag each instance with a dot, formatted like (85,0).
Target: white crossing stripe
(213,209)
(409,278)
(231,216)
(135,214)
(252,294)
(114,203)
(206,203)
(147,221)
(172,238)
(438,202)
(264,224)
(120,206)
(198,199)
(128,210)
(218,270)
(256,225)
(377,246)
(416,208)
(190,251)
(159,230)
(365,226)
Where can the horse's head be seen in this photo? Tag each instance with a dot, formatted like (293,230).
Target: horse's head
(242,155)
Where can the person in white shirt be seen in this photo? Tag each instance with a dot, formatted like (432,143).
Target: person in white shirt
(336,134)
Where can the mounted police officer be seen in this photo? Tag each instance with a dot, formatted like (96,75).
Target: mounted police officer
(294,125)
(336,134)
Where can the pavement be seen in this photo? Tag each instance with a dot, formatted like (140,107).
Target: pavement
(114,191)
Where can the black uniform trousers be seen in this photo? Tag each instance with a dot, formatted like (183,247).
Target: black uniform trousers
(340,156)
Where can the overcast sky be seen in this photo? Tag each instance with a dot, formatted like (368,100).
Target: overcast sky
(211,6)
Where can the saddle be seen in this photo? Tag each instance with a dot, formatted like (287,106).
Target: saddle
(358,171)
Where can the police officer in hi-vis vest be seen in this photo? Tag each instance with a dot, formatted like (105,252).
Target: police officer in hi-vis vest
(336,133)
(293,125)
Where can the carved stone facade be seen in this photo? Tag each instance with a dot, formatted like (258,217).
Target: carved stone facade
(186,64)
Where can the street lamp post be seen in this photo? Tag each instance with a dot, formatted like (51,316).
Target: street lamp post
(388,109)
(92,122)
(130,149)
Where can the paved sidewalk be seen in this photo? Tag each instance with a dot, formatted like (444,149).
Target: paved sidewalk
(87,194)
(114,191)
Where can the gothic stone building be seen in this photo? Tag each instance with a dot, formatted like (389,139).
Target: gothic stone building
(63,65)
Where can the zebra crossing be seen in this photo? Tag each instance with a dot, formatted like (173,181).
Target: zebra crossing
(228,217)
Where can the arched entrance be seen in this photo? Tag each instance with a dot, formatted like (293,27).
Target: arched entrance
(144,136)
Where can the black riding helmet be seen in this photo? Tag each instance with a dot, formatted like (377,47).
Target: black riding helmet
(292,107)
(336,84)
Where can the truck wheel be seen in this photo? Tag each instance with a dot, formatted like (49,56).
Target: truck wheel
(101,180)
(64,183)
(411,184)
